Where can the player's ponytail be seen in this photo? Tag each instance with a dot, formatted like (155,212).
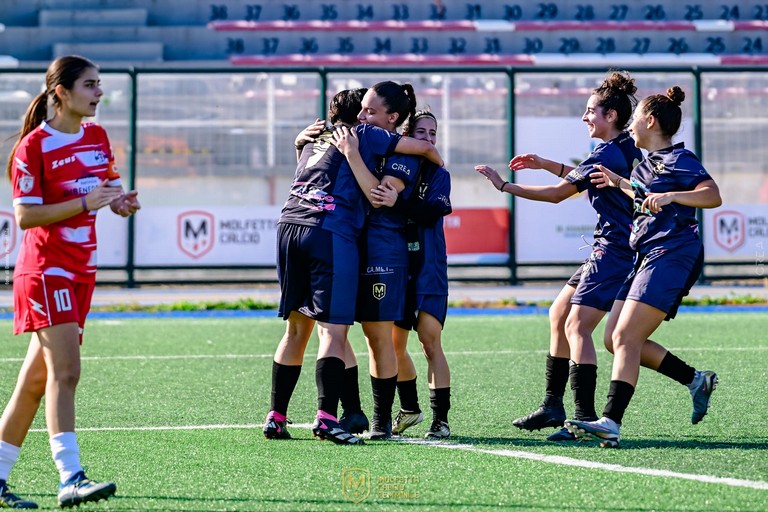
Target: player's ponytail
(411,95)
(35,114)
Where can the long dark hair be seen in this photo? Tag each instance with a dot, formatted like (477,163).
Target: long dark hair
(63,71)
(397,98)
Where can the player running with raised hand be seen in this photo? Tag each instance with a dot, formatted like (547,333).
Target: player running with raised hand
(62,171)
(590,293)
(666,188)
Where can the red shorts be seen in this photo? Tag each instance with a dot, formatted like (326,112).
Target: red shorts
(41,301)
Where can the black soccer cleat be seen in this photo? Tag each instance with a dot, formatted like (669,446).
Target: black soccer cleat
(380,430)
(354,422)
(10,500)
(80,489)
(438,430)
(275,428)
(331,430)
(550,413)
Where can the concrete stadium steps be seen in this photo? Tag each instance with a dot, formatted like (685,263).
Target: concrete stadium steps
(189,12)
(93,17)
(111,52)
(199,12)
(189,44)
(291,32)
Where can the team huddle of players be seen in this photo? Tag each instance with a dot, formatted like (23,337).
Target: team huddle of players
(360,238)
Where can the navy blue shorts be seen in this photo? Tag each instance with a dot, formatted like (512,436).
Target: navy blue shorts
(381,294)
(600,277)
(662,277)
(435,305)
(318,272)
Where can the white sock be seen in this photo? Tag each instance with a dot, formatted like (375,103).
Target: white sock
(66,454)
(9,454)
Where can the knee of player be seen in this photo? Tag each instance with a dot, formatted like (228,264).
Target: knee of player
(33,384)
(66,377)
(621,339)
(430,343)
(556,317)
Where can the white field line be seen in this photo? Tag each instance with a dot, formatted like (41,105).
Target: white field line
(516,454)
(365,354)
(567,461)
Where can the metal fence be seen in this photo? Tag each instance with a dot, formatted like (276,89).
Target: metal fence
(223,138)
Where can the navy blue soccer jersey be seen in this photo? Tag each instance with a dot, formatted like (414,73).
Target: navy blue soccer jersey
(613,207)
(406,168)
(324,192)
(428,263)
(670,169)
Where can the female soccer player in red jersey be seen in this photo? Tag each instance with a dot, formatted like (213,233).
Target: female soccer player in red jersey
(62,171)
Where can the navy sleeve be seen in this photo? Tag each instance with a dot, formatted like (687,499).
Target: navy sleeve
(607,155)
(379,141)
(403,167)
(689,172)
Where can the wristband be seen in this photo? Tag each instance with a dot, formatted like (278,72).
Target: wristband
(82,202)
(562,169)
(501,188)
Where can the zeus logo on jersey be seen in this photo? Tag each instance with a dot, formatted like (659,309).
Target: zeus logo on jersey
(63,162)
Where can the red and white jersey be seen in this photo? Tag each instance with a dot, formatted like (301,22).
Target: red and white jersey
(52,167)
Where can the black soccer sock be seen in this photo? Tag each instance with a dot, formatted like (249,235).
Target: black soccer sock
(583,383)
(619,395)
(440,402)
(329,376)
(350,392)
(409,396)
(676,369)
(383,397)
(557,375)
(284,379)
